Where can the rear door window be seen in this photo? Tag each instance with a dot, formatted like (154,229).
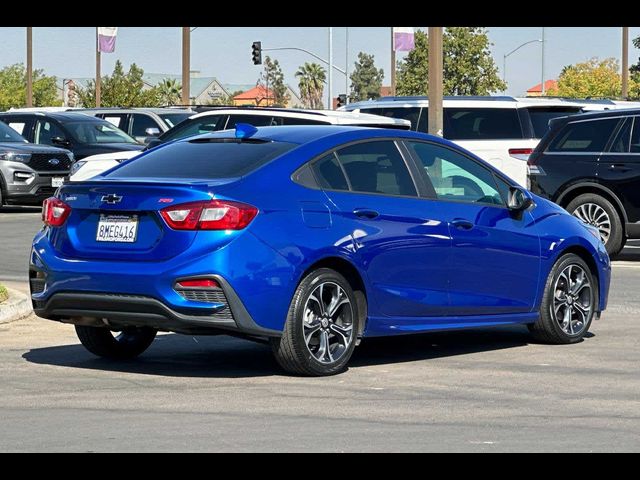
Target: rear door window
(140,123)
(621,142)
(482,124)
(635,136)
(376,167)
(116,120)
(588,136)
(540,117)
(46,131)
(329,174)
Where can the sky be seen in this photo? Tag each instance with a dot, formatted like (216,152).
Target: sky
(225,52)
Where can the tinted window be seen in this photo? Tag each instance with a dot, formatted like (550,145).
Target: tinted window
(173,119)
(481,124)
(635,136)
(255,120)
(621,142)
(590,136)
(46,131)
(540,117)
(202,160)
(99,131)
(409,113)
(140,123)
(116,120)
(455,176)
(376,167)
(328,173)
(8,134)
(297,121)
(195,126)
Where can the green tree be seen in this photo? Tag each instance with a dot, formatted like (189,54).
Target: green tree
(635,68)
(122,89)
(468,68)
(170,91)
(366,79)
(13,88)
(593,78)
(311,80)
(273,77)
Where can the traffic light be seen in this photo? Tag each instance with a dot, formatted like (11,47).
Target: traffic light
(342,100)
(256,53)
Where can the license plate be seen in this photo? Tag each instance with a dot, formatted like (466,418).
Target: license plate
(57,182)
(117,228)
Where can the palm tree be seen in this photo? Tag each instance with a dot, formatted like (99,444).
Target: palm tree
(170,91)
(311,80)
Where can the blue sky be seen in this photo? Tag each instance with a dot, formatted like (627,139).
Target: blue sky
(225,52)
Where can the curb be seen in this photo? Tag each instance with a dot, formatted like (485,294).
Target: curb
(18,306)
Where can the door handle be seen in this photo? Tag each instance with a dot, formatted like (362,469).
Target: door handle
(366,213)
(462,224)
(619,167)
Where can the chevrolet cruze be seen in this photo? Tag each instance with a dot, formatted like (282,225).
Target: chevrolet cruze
(310,237)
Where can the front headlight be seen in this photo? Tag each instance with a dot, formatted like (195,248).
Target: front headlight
(77,166)
(15,156)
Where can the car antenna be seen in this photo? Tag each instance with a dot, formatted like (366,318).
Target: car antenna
(245,130)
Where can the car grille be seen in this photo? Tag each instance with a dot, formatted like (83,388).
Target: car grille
(40,162)
(215,295)
(37,285)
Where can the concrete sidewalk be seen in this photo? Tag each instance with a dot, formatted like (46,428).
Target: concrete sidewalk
(17,306)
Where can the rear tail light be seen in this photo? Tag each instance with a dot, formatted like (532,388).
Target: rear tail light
(520,153)
(532,167)
(209,215)
(55,212)
(198,283)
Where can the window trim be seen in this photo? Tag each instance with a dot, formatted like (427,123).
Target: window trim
(497,174)
(333,151)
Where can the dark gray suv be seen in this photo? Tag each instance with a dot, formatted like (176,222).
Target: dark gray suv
(29,173)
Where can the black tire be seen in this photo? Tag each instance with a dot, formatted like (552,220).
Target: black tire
(127,344)
(291,350)
(615,242)
(546,329)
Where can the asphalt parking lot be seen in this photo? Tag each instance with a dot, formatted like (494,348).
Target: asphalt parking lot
(488,390)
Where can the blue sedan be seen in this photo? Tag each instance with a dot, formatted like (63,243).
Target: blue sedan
(311,237)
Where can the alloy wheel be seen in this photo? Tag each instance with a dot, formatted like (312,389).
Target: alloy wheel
(572,300)
(595,215)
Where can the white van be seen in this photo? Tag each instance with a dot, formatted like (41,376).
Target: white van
(501,130)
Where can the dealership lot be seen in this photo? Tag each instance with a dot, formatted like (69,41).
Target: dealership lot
(473,390)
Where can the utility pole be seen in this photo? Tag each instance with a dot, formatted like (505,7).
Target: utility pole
(346,63)
(435,81)
(330,101)
(186,65)
(393,65)
(625,62)
(98,74)
(30,67)
(542,89)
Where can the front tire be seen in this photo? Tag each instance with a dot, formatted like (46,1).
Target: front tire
(321,328)
(568,304)
(127,344)
(599,212)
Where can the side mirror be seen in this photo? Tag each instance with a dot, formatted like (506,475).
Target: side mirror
(519,199)
(152,131)
(153,143)
(63,142)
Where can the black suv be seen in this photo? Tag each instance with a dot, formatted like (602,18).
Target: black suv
(590,165)
(83,134)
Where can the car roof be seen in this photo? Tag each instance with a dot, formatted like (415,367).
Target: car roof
(157,110)
(63,116)
(463,101)
(300,134)
(620,112)
(335,117)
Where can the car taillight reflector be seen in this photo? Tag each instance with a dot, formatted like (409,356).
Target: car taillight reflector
(198,283)
(209,215)
(520,153)
(55,212)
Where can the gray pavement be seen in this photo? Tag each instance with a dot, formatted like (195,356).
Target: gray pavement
(485,390)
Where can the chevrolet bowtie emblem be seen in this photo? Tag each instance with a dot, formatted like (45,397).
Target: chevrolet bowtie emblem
(111,199)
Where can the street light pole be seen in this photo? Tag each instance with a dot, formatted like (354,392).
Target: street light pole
(504,57)
(346,63)
(435,114)
(30,67)
(330,101)
(98,73)
(186,65)
(625,62)
(542,66)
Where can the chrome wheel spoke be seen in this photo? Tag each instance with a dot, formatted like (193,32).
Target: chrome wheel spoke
(573,300)
(597,216)
(343,333)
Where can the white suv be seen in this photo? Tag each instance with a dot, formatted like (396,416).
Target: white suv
(225,118)
(501,130)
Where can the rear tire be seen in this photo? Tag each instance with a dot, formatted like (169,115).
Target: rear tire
(321,328)
(127,344)
(568,304)
(600,212)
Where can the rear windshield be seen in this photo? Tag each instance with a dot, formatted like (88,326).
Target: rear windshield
(540,117)
(198,159)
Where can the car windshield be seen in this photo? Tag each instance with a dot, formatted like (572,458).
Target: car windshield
(98,131)
(195,126)
(540,117)
(9,135)
(173,119)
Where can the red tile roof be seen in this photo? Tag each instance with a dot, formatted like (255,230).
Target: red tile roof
(548,85)
(258,92)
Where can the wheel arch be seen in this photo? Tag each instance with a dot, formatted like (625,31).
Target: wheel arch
(574,191)
(349,271)
(585,255)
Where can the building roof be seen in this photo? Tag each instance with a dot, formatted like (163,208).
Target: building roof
(258,92)
(548,85)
